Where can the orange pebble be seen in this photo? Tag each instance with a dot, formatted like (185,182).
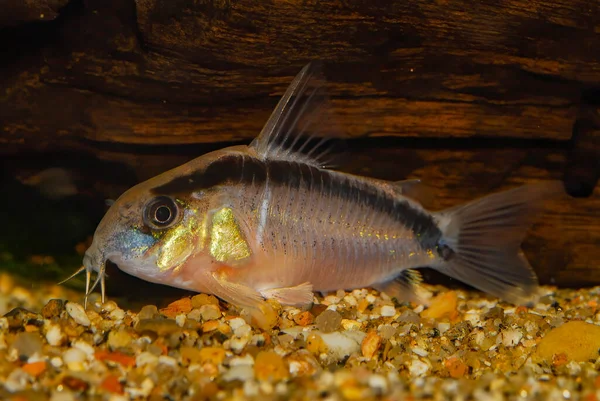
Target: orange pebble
(112,385)
(118,357)
(444,305)
(35,368)
(456,367)
(183,305)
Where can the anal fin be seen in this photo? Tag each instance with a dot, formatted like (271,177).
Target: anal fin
(299,295)
(406,287)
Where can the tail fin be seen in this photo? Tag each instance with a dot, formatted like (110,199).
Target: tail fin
(481,241)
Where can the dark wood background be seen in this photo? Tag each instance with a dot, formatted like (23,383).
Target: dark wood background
(472,97)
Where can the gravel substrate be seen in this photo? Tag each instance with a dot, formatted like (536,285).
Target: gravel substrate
(357,345)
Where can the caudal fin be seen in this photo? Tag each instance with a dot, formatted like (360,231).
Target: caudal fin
(482,239)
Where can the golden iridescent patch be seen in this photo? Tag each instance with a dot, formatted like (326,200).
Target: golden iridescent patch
(227,243)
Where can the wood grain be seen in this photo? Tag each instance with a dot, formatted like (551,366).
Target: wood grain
(177,72)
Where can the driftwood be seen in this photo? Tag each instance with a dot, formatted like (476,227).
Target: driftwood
(135,82)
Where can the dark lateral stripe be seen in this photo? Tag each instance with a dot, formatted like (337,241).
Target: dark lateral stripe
(241,169)
(229,169)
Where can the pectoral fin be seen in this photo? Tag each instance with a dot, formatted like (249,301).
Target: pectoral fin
(405,288)
(300,295)
(220,282)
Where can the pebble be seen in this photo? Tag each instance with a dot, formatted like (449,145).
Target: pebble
(388,311)
(328,321)
(418,368)
(577,340)
(242,373)
(118,339)
(54,335)
(210,312)
(77,312)
(27,344)
(370,344)
(148,312)
(74,359)
(442,306)
(269,365)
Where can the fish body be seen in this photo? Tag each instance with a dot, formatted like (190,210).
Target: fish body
(268,220)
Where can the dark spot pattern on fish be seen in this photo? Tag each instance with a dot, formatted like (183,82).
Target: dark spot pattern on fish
(245,170)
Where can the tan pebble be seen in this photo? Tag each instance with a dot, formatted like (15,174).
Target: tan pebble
(78,314)
(370,344)
(578,341)
(162,327)
(224,328)
(211,325)
(315,344)
(119,339)
(210,312)
(269,365)
(148,312)
(211,355)
(303,363)
(329,321)
(204,299)
(443,305)
(109,306)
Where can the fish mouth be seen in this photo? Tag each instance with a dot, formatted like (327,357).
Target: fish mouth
(93,260)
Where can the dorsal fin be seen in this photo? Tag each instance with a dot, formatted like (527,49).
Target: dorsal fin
(295,129)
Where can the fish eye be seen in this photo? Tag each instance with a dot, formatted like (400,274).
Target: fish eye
(160,212)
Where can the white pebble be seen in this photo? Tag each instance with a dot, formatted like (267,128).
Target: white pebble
(242,360)
(85,347)
(388,310)
(512,337)
(180,320)
(251,388)
(78,314)
(241,373)
(17,380)
(57,362)
(237,344)
(74,359)
(243,330)
(443,327)
(419,351)
(146,358)
(143,391)
(167,360)
(236,322)
(350,300)
(117,314)
(55,336)
(378,383)
(418,368)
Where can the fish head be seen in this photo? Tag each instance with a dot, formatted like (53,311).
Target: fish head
(149,232)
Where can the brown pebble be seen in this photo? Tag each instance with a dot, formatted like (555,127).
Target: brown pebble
(119,339)
(74,383)
(212,355)
(162,327)
(317,309)
(26,344)
(304,318)
(53,308)
(328,321)
(270,366)
(148,312)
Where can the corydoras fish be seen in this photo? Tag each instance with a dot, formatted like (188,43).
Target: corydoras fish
(268,220)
